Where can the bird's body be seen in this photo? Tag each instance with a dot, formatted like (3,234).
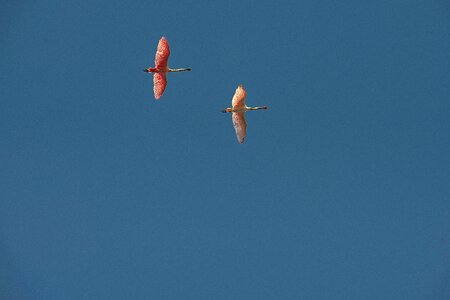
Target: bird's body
(238,110)
(161,68)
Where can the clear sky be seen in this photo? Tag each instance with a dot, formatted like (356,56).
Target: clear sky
(340,191)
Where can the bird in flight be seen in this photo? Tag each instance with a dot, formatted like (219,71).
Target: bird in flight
(161,68)
(238,110)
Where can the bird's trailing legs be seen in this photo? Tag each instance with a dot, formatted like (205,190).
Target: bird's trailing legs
(227,110)
(155,70)
(179,70)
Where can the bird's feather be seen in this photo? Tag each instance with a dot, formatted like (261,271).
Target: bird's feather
(239,125)
(159,84)
(162,54)
(239,98)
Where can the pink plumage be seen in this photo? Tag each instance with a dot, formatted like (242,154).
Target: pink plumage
(239,98)
(159,84)
(238,110)
(162,55)
(240,126)
(161,68)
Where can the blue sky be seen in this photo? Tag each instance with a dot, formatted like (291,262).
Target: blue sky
(340,191)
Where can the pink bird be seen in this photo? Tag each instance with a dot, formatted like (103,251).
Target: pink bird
(161,68)
(239,108)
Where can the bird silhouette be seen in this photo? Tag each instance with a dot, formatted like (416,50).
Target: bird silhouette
(238,110)
(161,68)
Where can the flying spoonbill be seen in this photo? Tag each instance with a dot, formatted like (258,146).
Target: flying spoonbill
(161,68)
(238,110)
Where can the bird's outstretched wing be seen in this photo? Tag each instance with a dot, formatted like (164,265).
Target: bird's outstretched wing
(239,125)
(162,54)
(239,98)
(159,84)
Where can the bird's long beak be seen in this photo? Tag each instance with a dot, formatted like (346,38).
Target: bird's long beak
(146,70)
